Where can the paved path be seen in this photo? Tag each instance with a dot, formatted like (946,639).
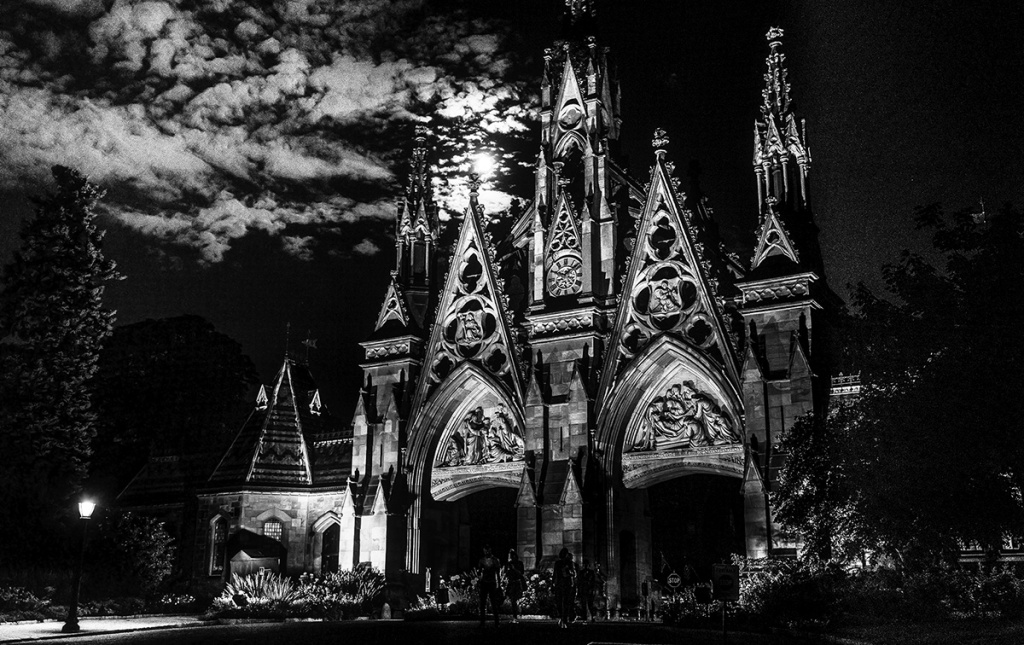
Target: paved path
(169,630)
(106,625)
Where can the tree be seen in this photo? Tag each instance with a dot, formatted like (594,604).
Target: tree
(813,495)
(52,324)
(173,386)
(133,554)
(930,456)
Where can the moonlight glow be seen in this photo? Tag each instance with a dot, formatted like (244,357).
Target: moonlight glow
(484,165)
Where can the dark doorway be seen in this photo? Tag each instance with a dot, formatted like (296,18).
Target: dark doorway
(696,521)
(330,548)
(489,519)
(628,585)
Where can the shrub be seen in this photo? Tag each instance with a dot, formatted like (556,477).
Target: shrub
(425,608)
(359,591)
(176,604)
(19,599)
(132,553)
(682,607)
(999,592)
(263,594)
(538,595)
(789,593)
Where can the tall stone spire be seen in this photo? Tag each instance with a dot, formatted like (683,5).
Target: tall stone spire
(782,160)
(417,234)
(782,164)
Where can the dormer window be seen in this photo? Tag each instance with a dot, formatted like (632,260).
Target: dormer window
(261,399)
(314,403)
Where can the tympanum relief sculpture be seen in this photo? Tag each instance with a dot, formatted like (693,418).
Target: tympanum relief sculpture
(682,417)
(483,438)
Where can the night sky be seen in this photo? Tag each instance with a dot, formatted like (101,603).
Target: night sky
(251,150)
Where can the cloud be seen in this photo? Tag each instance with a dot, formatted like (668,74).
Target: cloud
(366,247)
(299,246)
(212,119)
(70,7)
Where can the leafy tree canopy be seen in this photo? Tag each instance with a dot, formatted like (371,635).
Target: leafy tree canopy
(52,324)
(931,455)
(174,386)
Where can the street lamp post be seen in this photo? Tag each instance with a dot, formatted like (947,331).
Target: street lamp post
(85,510)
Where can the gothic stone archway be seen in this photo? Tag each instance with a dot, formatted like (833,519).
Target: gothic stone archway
(673,412)
(466,440)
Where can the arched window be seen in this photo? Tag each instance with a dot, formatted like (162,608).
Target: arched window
(218,545)
(274,529)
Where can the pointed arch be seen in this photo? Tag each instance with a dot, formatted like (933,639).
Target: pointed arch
(773,239)
(639,395)
(667,290)
(458,405)
(217,532)
(472,324)
(571,141)
(325,521)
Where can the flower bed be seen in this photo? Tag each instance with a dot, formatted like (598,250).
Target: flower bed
(335,596)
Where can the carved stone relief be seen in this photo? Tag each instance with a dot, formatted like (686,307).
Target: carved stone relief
(483,437)
(682,417)
(470,323)
(665,295)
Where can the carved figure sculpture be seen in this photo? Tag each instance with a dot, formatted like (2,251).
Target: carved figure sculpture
(480,439)
(716,428)
(682,418)
(455,452)
(473,428)
(469,331)
(504,442)
(665,297)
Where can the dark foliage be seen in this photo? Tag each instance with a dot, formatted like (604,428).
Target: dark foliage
(52,324)
(930,456)
(132,554)
(173,386)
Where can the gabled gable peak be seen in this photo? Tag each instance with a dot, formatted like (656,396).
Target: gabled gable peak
(472,324)
(569,106)
(571,491)
(526,497)
(773,239)
(667,287)
(393,307)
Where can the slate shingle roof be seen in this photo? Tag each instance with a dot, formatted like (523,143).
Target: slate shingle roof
(288,442)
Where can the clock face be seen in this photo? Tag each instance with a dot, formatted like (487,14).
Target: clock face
(565,277)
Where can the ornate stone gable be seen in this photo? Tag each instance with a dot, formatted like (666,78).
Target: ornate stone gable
(563,259)
(666,288)
(393,307)
(772,238)
(472,324)
(570,111)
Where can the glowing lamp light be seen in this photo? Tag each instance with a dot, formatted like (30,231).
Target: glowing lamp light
(71,626)
(484,165)
(85,508)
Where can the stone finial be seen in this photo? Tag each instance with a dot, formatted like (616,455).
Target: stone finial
(659,142)
(660,139)
(774,35)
